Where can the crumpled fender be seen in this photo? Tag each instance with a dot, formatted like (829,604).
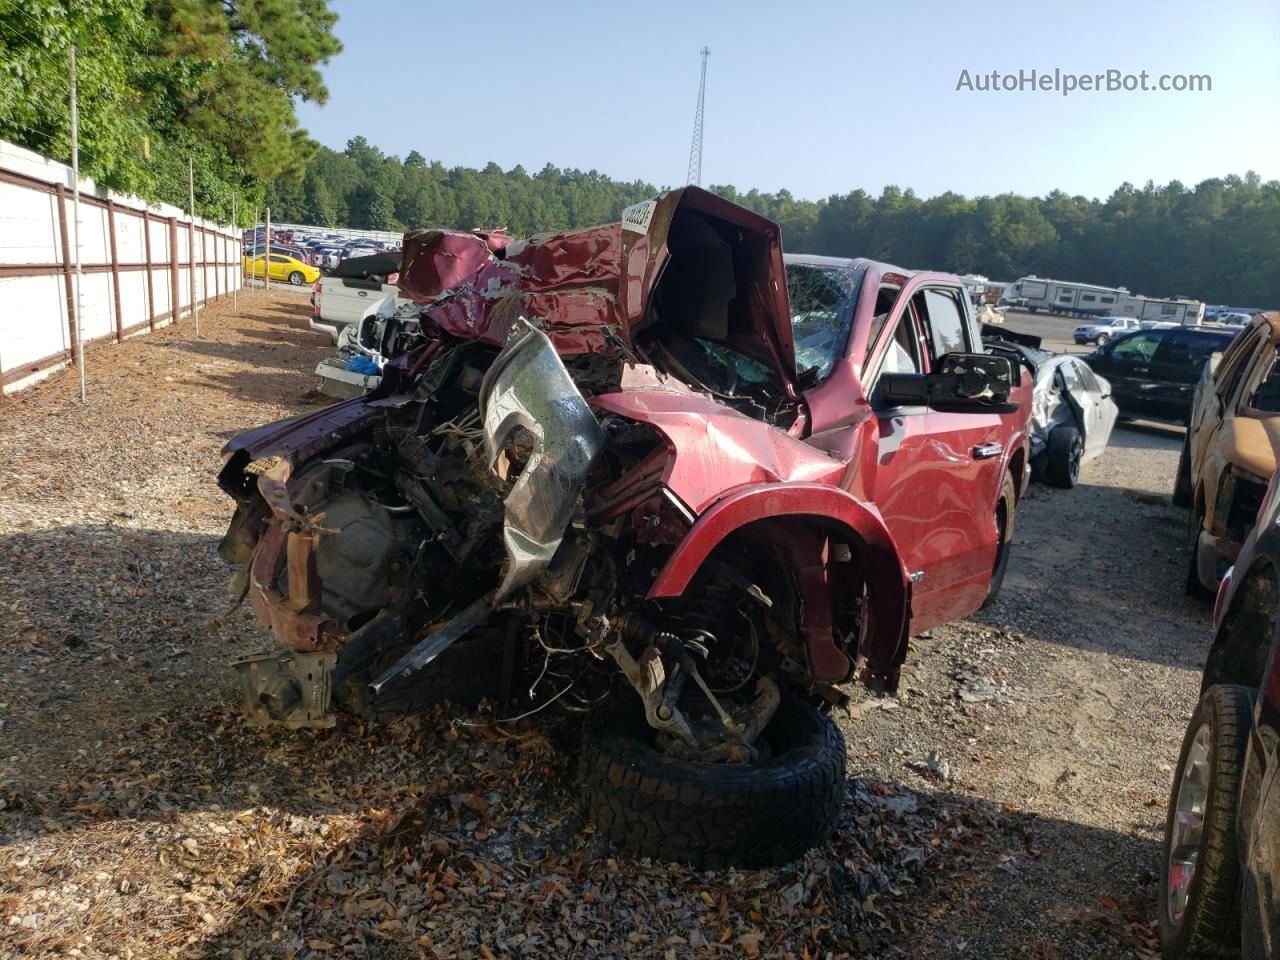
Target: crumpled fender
(714,448)
(889,585)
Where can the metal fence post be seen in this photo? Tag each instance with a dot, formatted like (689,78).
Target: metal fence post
(266,259)
(75,176)
(191,243)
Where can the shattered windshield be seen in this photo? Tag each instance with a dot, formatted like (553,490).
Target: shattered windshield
(822,301)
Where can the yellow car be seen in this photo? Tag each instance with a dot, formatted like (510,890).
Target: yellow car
(282,268)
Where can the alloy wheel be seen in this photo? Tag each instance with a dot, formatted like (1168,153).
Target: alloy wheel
(1188,823)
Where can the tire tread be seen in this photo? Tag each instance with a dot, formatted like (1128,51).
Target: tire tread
(715,815)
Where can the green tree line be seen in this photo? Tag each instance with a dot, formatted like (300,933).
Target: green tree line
(216,81)
(161,81)
(1218,241)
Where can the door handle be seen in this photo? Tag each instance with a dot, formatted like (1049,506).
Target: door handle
(985,451)
(1141,369)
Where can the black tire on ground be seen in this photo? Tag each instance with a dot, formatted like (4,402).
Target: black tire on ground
(714,815)
(1005,508)
(466,673)
(296,278)
(1102,339)
(1210,924)
(1065,451)
(1182,479)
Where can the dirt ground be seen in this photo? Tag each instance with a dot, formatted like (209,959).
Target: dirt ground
(1008,804)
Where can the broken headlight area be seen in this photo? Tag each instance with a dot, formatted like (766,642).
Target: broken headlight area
(1239,497)
(488,498)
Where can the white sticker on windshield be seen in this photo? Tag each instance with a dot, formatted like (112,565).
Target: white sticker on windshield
(636,217)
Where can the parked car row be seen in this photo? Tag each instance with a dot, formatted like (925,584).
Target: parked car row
(323,251)
(1220,860)
(1220,894)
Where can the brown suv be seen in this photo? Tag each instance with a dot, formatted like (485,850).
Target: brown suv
(1233,443)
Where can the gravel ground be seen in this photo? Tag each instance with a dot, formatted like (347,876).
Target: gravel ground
(1007,804)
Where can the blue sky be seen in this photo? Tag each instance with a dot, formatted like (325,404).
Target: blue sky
(819,98)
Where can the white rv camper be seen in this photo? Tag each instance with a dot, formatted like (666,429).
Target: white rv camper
(1148,310)
(1061,296)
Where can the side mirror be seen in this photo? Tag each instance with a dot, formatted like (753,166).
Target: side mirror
(978,382)
(963,383)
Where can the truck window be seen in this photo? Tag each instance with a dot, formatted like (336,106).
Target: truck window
(1266,398)
(822,301)
(886,297)
(1187,349)
(902,353)
(1235,360)
(1139,348)
(943,320)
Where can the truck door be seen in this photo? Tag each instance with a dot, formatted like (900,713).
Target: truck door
(1175,369)
(1127,364)
(963,478)
(933,477)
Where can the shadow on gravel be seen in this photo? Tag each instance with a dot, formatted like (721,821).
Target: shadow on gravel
(421,838)
(1091,562)
(298,334)
(129,778)
(1146,435)
(103,626)
(276,354)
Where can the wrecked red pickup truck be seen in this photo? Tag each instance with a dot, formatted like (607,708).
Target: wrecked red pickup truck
(653,471)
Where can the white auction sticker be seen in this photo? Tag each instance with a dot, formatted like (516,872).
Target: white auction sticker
(636,217)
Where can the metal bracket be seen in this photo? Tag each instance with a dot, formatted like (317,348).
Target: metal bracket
(292,691)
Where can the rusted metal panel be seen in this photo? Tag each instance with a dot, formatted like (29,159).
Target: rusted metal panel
(217,267)
(45,269)
(68,284)
(174,309)
(304,582)
(37,366)
(298,630)
(151,293)
(191,261)
(115,270)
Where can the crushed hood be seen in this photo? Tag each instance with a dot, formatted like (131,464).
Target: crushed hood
(690,236)
(716,267)
(474,285)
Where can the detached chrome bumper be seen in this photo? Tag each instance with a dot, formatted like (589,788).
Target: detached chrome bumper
(528,386)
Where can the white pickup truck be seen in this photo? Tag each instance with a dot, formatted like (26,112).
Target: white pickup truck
(355,289)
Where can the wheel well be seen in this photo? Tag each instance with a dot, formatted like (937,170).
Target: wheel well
(1016,470)
(1239,651)
(817,599)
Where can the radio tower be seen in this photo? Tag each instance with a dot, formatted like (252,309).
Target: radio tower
(695,148)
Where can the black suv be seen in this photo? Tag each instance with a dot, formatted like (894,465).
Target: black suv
(1153,373)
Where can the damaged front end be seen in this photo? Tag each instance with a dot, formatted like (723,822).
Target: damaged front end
(583,474)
